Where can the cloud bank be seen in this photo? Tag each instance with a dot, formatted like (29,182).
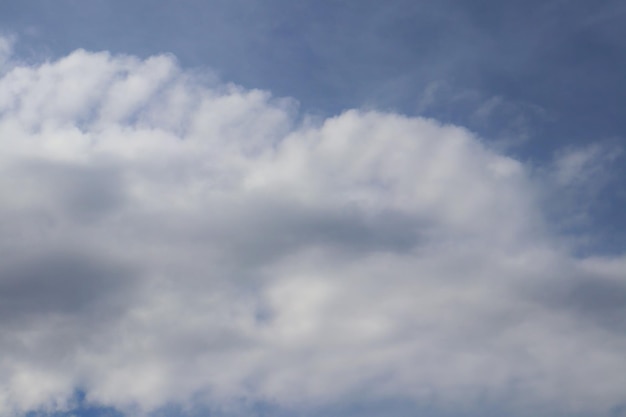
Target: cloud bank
(168,239)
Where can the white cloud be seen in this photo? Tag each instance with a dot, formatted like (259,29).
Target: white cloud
(166,240)
(6,48)
(576,166)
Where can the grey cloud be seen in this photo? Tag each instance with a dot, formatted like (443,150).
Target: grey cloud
(267,230)
(591,298)
(84,192)
(60,283)
(604,301)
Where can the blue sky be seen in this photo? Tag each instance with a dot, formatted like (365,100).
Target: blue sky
(307,208)
(565,57)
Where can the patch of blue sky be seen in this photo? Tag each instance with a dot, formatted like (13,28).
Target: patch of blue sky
(560,63)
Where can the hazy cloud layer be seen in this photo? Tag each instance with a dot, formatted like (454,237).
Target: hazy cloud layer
(168,240)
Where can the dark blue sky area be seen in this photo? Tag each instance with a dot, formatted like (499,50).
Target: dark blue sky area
(557,67)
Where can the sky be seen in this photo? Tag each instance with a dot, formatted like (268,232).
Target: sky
(313,208)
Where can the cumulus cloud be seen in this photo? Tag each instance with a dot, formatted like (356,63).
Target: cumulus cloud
(168,239)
